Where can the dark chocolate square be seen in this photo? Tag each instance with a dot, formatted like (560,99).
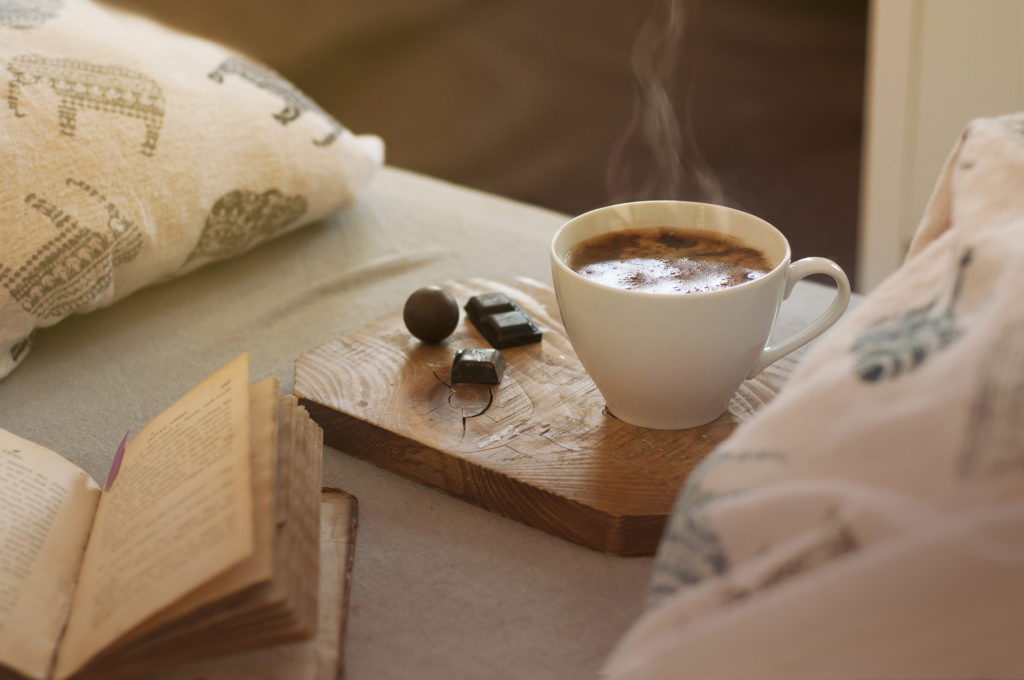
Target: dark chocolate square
(478,365)
(501,320)
(507,325)
(485,304)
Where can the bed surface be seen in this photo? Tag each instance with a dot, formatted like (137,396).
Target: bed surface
(441,588)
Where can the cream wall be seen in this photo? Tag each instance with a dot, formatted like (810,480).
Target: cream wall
(932,66)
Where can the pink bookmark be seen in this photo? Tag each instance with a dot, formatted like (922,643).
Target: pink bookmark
(116,465)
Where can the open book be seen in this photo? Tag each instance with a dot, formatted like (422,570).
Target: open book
(204,545)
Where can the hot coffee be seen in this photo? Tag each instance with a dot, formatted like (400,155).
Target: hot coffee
(667,260)
(674,360)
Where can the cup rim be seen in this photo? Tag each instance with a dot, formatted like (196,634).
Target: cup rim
(762,280)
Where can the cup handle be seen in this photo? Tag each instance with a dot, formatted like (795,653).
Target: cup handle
(801,269)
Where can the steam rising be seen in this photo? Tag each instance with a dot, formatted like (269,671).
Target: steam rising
(657,157)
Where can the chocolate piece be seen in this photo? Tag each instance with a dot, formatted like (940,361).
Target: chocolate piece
(477,365)
(486,304)
(501,320)
(431,314)
(507,326)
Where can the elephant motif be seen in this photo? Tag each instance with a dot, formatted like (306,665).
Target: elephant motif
(240,219)
(75,266)
(82,85)
(28,14)
(295,101)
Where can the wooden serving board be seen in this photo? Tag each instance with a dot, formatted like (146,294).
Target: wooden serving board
(539,448)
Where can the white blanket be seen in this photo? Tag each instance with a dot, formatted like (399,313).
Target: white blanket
(868,523)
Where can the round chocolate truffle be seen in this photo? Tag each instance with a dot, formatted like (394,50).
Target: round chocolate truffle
(431,314)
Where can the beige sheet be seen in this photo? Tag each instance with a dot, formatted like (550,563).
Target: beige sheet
(441,589)
(868,523)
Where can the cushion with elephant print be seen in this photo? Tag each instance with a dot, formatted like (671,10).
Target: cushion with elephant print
(134,153)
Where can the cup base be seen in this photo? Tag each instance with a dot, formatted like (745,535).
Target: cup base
(649,424)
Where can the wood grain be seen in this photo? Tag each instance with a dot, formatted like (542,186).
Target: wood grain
(539,448)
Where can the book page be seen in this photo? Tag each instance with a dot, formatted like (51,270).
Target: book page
(259,567)
(47,505)
(284,608)
(322,657)
(178,514)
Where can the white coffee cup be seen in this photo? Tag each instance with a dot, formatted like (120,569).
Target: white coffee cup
(671,361)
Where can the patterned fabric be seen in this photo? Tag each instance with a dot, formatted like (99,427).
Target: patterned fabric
(133,153)
(868,522)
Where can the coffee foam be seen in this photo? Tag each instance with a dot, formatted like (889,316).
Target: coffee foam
(667,260)
(661,275)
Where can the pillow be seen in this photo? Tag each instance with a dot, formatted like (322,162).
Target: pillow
(133,153)
(868,522)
